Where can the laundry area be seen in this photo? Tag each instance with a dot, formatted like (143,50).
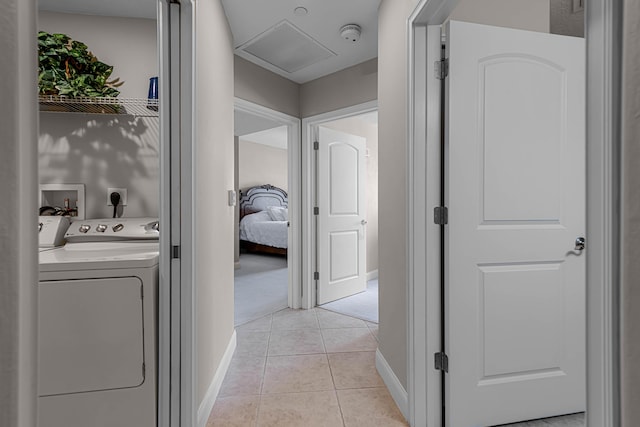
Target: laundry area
(98,165)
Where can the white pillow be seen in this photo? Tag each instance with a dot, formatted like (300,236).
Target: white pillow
(278,213)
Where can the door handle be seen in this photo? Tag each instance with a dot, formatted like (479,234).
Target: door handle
(580,242)
(363,222)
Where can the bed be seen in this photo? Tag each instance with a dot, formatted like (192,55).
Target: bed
(264,220)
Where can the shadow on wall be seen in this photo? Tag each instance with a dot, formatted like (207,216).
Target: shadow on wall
(102,152)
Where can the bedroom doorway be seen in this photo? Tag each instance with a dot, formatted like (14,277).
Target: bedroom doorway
(345,225)
(266,226)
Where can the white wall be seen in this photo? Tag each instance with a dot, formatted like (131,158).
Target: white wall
(392,182)
(214,176)
(18,239)
(344,88)
(530,15)
(106,151)
(630,298)
(369,131)
(260,164)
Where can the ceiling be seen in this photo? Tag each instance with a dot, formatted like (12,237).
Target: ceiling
(250,19)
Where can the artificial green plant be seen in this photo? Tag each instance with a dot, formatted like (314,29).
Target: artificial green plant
(67,68)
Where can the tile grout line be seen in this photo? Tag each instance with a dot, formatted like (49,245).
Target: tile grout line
(264,372)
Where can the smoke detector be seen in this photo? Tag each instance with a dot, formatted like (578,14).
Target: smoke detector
(351,32)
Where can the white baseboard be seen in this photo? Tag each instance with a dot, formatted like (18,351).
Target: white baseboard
(398,392)
(372,275)
(214,388)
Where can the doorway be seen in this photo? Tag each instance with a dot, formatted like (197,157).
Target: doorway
(266,256)
(343,212)
(424,39)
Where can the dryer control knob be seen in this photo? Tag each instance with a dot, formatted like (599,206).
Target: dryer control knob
(118,227)
(84,228)
(101,228)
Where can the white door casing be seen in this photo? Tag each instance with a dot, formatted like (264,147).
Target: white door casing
(516,197)
(341,218)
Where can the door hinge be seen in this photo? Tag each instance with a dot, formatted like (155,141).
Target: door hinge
(441,362)
(316,275)
(440,215)
(175,252)
(441,69)
(316,210)
(316,145)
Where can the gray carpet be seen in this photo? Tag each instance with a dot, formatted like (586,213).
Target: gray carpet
(362,306)
(261,287)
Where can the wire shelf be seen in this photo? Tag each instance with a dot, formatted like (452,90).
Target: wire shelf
(139,107)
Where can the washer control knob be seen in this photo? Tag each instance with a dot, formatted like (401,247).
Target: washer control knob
(118,227)
(101,228)
(84,228)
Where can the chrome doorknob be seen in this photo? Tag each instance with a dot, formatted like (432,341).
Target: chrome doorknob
(580,242)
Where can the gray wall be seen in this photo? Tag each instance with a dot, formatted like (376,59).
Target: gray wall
(102,152)
(532,15)
(18,240)
(630,333)
(344,88)
(106,151)
(214,176)
(129,44)
(564,21)
(392,181)
(261,164)
(369,131)
(263,87)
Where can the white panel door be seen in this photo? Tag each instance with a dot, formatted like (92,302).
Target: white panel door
(342,218)
(516,198)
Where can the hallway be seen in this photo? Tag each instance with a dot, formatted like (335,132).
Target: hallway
(305,368)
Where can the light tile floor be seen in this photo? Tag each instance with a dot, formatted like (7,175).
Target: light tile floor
(306,368)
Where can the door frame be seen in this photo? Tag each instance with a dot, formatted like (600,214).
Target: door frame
(603,41)
(177,362)
(294,254)
(309,173)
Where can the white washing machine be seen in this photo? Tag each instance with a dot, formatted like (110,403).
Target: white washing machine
(51,231)
(97,340)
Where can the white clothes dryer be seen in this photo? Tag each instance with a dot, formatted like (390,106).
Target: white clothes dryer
(97,344)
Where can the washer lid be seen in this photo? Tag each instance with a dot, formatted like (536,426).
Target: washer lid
(100,255)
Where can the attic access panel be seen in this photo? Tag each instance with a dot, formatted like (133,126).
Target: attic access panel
(286,47)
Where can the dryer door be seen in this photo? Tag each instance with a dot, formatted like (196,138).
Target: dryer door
(90,336)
